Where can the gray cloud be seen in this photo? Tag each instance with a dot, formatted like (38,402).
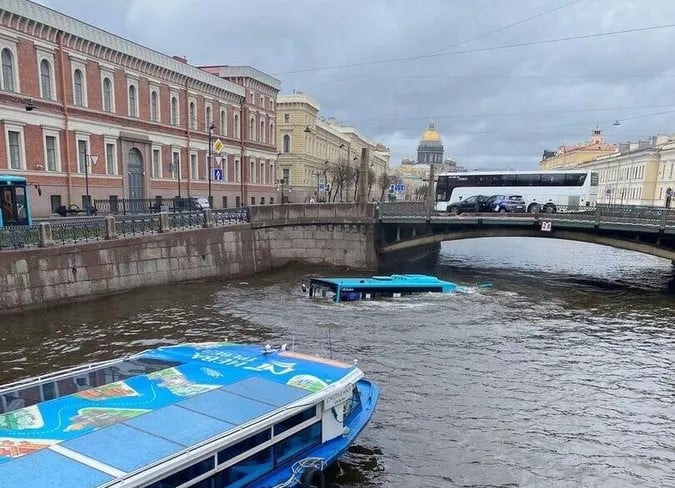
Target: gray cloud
(495,109)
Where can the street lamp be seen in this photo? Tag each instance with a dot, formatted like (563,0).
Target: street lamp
(211,127)
(93,159)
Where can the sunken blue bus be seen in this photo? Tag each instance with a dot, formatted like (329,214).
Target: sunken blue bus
(15,205)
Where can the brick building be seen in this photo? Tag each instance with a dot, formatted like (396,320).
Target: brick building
(82,108)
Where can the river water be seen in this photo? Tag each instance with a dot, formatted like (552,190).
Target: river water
(559,374)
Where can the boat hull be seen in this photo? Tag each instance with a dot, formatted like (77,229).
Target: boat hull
(329,451)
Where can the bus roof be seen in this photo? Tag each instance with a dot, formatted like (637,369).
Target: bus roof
(12,178)
(522,172)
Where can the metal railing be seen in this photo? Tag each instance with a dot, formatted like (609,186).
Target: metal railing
(85,229)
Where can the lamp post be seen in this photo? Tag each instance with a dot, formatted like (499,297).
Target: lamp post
(281,186)
(87,158)
(211,127)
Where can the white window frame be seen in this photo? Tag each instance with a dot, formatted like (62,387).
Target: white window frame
(44,54)
(194,165)
(15,127)
(133,82)
(223,121)
(158,173)
(10,43)
(155,88)
(262,137)
(237,170)
(208,107)
(55,133)
(82,137)
(273,137)
(253,167)
(174,171)
(113,143)
(237,126)
(273,176)
(251,134)
(75,64)
(110,74)
(263,178)
(192,120)
(174,121)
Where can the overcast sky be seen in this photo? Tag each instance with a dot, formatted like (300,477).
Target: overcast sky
(495,108)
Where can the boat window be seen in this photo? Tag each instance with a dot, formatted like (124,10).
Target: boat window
(354,405)
(244,446)
(296,419)
(187,474)
(242,473)
(291,446)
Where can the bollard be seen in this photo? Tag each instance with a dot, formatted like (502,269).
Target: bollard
(110,228)
(163,222)
(46,235)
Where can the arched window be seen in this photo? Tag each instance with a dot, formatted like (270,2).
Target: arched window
(262,132)
(251,130)
(46,79)
(193,116)
(107,95)
(174,111)
(237,127)
(154,111)
(223,123)
(272,134)
(287,143)
(7,70)
(78,96)
(208,117)
(132,100)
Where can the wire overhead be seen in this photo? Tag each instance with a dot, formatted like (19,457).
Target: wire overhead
(480,49)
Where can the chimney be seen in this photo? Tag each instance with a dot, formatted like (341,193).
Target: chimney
(180,58)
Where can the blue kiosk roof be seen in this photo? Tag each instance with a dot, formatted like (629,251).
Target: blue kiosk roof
(125,425)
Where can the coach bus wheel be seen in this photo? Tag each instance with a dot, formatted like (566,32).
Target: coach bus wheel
(549,208)
(534,208)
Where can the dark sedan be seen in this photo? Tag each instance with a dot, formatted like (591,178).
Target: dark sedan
(476,203)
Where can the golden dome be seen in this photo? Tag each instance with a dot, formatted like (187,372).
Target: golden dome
(431,134)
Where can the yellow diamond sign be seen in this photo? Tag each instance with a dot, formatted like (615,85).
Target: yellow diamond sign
(218,145)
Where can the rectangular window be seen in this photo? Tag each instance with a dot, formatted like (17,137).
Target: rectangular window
(50,149)
(287,176)
(81,155)
(185,475)
(287,118)
(14,139)
(237,172)
(296,419)
(291,446)
(175,164)
(243,446)
(194,167)
(55,200)
(110,163)
(156,163)
(224,202)
(242,473)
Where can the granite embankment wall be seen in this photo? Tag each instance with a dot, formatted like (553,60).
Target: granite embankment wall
(339,235)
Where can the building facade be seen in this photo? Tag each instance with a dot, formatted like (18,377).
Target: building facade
(430,149)
(318,157)
(570,156)
(87,115)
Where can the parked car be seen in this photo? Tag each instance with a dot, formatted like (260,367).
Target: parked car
(476,203)
(506,203)
(200,203)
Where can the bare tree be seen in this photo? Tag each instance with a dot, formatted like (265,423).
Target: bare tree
(371,180)
(384,181)
(341,174)
(421,192)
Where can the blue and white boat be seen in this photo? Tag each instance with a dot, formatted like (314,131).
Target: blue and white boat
(351,289)
(209,415)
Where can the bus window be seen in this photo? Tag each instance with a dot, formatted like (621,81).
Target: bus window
(553,179)
(529,180)
(8,214)
(509,180)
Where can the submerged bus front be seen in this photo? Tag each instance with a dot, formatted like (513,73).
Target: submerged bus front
(549,191)
(15,206)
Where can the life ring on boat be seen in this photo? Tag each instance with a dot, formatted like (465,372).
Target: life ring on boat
(312,478)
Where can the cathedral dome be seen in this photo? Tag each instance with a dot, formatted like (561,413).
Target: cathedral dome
(431,134)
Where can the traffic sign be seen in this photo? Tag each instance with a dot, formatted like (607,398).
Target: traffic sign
(322,187)
(218,174)
(218,160)
(218,145)
(400,188)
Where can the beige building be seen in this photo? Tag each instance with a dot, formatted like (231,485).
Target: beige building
(639,173)
(318,157)
(570,156)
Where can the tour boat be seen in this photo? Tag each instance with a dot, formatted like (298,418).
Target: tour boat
(210,415)
(351,289)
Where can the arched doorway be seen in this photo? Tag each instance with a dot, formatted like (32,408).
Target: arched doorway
(135,172)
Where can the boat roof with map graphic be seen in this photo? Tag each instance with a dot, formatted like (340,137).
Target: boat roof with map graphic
(105,422)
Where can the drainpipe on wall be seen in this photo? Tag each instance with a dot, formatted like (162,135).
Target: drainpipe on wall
(242,125)
(69,179)
(188,122)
